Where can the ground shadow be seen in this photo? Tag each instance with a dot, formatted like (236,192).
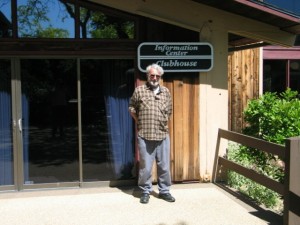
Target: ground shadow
(135,191)
(130,190)
(270,216)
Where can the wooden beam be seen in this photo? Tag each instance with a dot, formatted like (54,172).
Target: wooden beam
(253,142)
(253,175)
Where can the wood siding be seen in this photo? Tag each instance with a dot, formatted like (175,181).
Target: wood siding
(184,127)
(243,84)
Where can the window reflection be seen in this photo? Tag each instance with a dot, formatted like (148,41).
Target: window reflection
(297,41)
(5,19)
(278,76)
(96,24)
(56,19)
(295,75)
(45,19)
(274,76)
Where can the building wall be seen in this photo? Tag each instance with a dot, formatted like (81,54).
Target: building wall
(213,26)
(213,103)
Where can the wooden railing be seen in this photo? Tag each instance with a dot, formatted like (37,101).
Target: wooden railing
(291,156)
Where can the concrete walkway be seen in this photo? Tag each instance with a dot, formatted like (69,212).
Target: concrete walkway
(196,204)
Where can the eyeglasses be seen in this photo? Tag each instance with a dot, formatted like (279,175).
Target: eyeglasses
(154,75)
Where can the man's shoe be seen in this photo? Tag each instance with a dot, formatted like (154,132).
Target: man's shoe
(144,198)
(167,197)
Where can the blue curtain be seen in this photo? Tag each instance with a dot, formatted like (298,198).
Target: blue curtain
(118,89)
(6,148)
(25,135)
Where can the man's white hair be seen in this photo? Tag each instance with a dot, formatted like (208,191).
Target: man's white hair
(155,66)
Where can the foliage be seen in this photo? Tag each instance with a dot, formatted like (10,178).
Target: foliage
(255,191)
(35,19)
(105,26)
(273,118)
(51,32)
(34,22)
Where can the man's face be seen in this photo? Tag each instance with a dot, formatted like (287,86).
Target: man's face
(153,78)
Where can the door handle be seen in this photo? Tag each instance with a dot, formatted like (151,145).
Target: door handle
(20,124)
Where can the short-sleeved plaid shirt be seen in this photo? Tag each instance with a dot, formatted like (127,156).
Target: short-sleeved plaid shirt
(153,111)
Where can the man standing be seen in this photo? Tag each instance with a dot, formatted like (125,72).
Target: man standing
(151,108)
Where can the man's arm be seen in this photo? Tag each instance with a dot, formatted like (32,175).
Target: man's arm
(134,116)
(170,105)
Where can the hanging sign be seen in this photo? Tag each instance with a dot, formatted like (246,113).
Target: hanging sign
(176,56)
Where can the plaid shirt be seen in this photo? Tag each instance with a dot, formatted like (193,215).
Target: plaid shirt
(153,111)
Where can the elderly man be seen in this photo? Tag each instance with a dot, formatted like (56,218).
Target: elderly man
(151,108)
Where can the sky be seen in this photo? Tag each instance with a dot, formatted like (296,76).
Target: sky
(292,6)
(54,15)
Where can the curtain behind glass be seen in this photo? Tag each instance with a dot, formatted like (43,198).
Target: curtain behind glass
(6,150)
(118,79)
(25,135)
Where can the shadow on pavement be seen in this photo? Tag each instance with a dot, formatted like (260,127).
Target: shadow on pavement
(271,217)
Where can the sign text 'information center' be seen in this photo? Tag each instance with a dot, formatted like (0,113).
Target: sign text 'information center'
(176,57)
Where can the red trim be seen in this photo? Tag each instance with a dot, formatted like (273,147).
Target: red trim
(275,52)
(268,10)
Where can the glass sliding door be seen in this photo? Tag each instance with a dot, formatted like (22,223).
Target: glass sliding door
(50,120)
(6,128)
(65,121)
(107,128)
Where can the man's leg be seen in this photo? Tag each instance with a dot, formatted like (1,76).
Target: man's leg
(163,166)
(163,170)
(147,156)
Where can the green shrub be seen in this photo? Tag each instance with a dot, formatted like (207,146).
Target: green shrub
(256,192)
(272,118)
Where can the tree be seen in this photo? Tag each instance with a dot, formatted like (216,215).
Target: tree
(34,21)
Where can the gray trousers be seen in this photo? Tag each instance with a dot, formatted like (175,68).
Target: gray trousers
(150,151)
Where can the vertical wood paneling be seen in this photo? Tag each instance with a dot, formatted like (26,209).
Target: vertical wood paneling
(186,150)
(178,129)
(192,129)
(169,85)
(243,83)
(184,127)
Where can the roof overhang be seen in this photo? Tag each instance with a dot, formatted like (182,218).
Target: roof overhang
(265,25)
(259,11)
(256,10)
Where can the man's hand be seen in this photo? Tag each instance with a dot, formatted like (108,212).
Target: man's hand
(134,116)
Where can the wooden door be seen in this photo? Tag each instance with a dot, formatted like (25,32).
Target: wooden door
(184,126)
